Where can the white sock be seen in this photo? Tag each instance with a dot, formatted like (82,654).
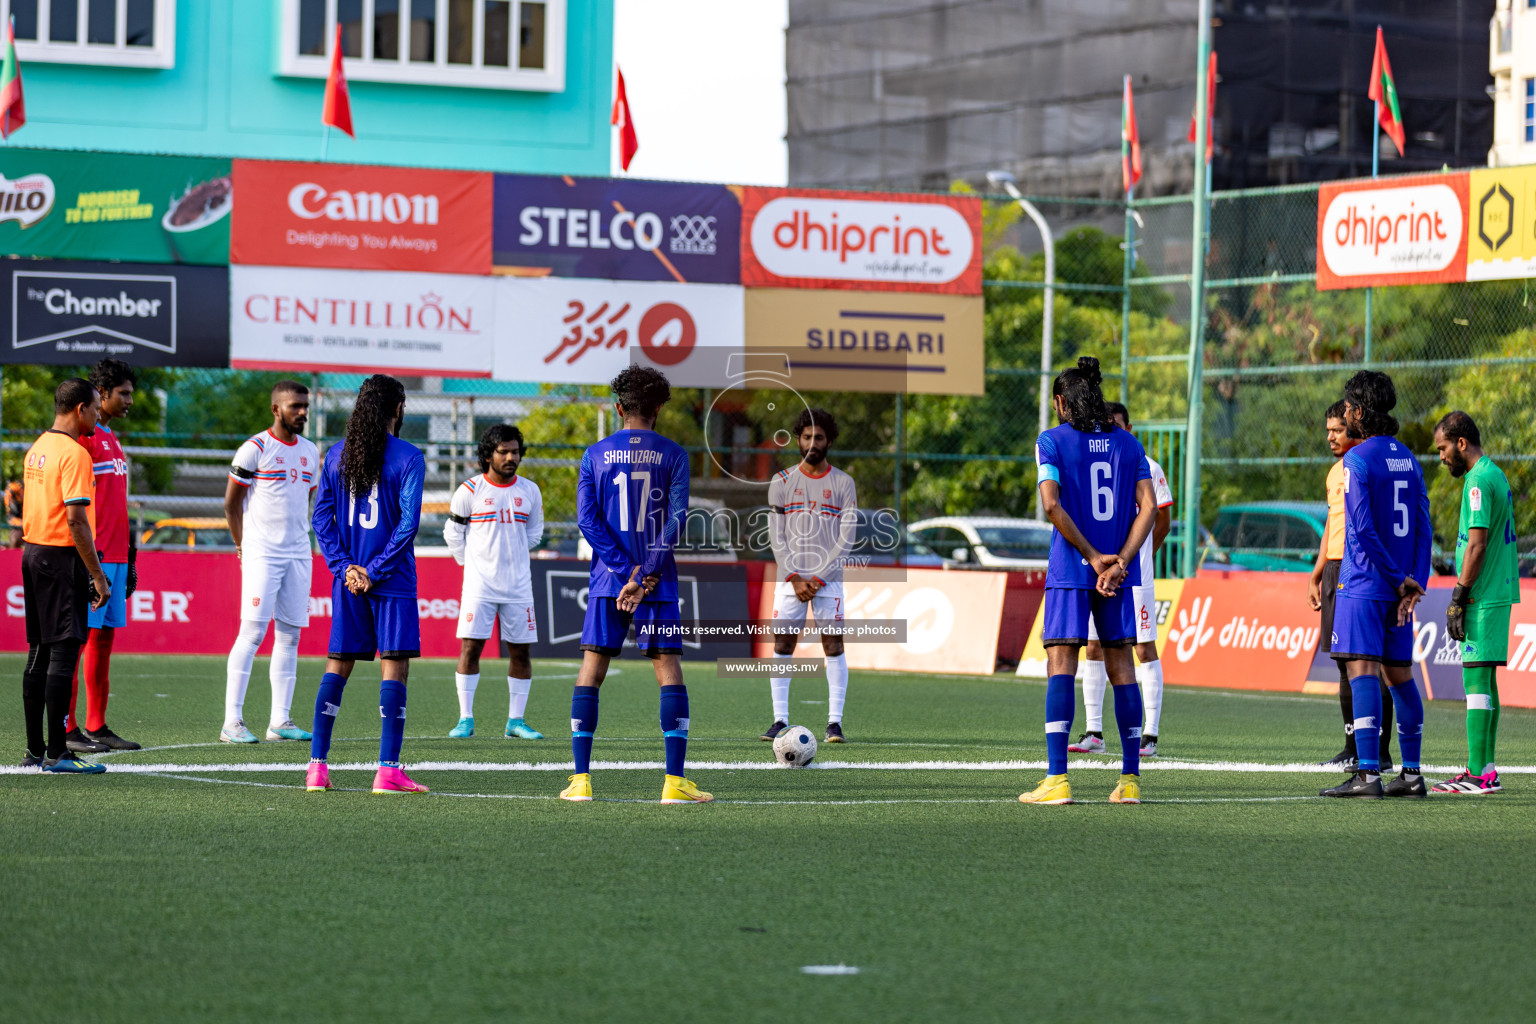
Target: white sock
(518,691)
(466,687)
(1095,678)
(239,670)
(285,671)
(1150,677)
(837,687)
(780,688)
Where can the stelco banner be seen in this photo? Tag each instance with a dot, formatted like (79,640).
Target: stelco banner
(115,206)
(617,228)
(67,314)
(870,341)
(361,217)
(284,318)
(1398,231)
(574,331)
(861,240)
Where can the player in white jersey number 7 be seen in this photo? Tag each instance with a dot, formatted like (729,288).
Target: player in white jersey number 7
(494,520)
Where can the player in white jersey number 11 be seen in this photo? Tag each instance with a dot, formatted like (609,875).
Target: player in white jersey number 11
(494,520)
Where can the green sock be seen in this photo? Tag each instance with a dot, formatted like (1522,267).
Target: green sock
(1482,716)
(1493,729)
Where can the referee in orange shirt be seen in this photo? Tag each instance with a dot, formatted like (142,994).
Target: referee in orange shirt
(59,565)
(1325,585)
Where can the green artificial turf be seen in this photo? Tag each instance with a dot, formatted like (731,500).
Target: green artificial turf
(238,896)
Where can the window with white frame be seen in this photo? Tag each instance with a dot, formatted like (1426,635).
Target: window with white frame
(122,33)
(483,44)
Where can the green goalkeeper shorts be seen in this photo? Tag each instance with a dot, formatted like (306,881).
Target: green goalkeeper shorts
(1487,641)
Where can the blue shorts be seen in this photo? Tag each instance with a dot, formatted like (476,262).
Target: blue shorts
(1367,630)
(363,624)
(115,612)
(1067,611)
(606,627)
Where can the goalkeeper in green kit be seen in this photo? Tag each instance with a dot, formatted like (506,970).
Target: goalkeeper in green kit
(1487,584)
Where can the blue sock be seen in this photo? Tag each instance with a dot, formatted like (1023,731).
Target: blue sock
(583,725)
(1128,712)
(674,726)
(392,718)
(1060,704)
(1367,694)
(327,707)
(1410,721)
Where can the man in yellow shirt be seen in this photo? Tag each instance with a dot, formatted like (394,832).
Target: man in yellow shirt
(59,569)
(1325,584)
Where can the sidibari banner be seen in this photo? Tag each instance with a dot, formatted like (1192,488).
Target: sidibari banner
(115,206)
(906,242)
(1410,230)
(66,313)
(284,318)
(870,341)
(617,228)
(574,331)
(361,217)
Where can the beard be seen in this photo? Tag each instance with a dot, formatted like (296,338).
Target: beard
(813,456)
(295,425)
(1457,464)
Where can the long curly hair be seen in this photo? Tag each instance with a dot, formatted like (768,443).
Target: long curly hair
(497,434)
(816,418)
(368,430)
(642,390)
(1081,387)
(1373,393)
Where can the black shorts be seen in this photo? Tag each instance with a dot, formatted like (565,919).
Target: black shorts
(1330,594)
(54,584)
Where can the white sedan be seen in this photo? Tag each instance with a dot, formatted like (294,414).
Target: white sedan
(987,542)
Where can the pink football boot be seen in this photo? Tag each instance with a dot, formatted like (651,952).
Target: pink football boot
(394,780)
(319,777)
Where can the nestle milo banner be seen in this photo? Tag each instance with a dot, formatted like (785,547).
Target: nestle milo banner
(114,206)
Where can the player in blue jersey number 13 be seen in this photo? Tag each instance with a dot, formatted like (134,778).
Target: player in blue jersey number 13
(1096,489)
(631,502)
(1382,576)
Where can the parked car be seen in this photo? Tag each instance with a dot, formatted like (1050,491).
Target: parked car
(1272,536)
(188,534)
(988,542)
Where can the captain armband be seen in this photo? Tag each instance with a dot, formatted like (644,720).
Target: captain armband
(456,518)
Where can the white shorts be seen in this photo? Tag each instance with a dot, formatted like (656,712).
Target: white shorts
(827,605)
(275,588)
(517,622)
(1144,600)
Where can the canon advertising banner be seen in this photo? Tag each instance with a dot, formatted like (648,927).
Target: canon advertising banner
(617,228)
(64,313)
(861,240)
(361,217)
(575,331)
(285,318)
(1398,231)
(115,206)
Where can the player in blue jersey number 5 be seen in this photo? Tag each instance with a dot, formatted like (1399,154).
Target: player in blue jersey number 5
(1096,489)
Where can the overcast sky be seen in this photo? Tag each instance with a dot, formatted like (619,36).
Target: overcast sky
(706,88)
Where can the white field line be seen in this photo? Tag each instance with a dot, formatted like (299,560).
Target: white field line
(1005,801)
(1238,767)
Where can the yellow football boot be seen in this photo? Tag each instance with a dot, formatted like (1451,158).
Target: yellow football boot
(1055,789)
(579,790)
(678,790)
(1128,791)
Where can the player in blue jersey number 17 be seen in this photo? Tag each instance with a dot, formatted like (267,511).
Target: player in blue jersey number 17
(1096,489)
(631,503)
(1386,555)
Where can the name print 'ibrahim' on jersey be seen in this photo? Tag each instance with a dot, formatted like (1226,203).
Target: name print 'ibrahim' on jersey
(367,512)
(1386,555)
(1096,490)
(631,503)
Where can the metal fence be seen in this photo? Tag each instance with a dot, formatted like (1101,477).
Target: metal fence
(1277,352)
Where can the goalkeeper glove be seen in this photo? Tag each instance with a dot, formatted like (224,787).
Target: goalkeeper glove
(133,572)
(1456,612)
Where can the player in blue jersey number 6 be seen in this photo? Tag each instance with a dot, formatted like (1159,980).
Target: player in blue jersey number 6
(631,502)
(1096,489)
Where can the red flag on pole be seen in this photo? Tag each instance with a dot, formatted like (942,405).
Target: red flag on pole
(629,143)
(1384,91)
(1210,109)
(12,107)
(337,112)
(1130,141)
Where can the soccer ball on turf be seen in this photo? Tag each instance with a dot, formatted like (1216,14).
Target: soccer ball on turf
(795,747)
